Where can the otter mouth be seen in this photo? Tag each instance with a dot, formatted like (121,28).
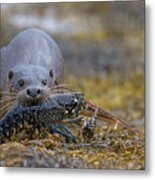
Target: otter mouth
(34,102)
(31,101)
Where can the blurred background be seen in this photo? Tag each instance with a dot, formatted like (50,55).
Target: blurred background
(102,44)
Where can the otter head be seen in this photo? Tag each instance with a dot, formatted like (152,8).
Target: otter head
(31,84)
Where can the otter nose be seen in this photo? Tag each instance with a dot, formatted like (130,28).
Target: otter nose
(33,92)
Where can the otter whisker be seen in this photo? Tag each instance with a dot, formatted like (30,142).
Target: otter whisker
(6,104)
(46,101)
(61,87)
(5,99)
(56,91)
(69,87)
(7,93)
(5,108)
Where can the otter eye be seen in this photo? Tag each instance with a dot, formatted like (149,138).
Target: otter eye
(21,83)
(44,82)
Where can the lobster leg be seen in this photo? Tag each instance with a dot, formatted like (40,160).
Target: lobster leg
(62,130)
(88,128)
(102,114)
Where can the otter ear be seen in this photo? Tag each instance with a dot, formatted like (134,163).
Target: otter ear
(10,75)
(51,73)
(52,76)
(56,82)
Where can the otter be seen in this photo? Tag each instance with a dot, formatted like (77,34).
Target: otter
(30,65)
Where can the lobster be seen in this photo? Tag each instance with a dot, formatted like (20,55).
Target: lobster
(51,113)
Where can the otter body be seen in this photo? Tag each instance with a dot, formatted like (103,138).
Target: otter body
(30,65)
